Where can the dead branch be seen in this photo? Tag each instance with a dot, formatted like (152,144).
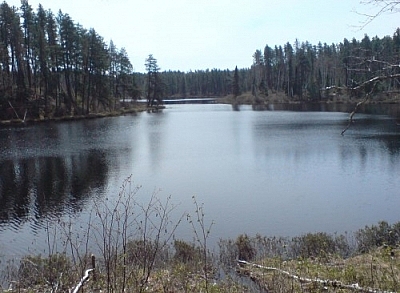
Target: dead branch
(352,114)
(364,84)
(373,81)
(16,114)
(26,111)
(325,283)
(86,276)
(367,96)
(83,280)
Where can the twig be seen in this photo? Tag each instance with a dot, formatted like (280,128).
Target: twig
(325,283)
(26,111)
(13,109)
(383,6)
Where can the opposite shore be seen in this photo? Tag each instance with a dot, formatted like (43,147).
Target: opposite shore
(258,103)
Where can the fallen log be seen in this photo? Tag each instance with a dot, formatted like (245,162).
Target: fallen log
(326,283)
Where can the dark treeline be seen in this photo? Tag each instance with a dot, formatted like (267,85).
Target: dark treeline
(302,71)
(213,82)
(52,66)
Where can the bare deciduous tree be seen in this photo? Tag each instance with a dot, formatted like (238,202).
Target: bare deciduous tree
(373,70)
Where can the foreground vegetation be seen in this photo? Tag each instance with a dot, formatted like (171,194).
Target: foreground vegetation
(130,245)
(310,263)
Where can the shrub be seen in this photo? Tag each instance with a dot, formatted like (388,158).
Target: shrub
(185,252)
(38,270)
(375,236)
(245,250)
(316,245)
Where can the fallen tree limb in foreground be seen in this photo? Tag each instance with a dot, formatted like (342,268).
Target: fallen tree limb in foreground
(86,276)
(325,283)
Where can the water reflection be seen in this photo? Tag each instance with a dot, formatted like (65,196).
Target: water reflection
(38,187)
(155,131)
(392,110)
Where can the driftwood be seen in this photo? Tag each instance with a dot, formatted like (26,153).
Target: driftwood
(83,280)
(86,276)
(325,283)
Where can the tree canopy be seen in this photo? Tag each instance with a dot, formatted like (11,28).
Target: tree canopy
(50,66)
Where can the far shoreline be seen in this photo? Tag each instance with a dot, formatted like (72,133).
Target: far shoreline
(259,103)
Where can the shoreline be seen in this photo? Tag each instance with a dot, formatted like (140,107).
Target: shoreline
(133,110)
(259,103)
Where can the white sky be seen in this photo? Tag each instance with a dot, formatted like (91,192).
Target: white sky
(199,34)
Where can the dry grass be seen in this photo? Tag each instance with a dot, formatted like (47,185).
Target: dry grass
(378,270)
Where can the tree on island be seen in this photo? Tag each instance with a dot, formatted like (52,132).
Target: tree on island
(155,86)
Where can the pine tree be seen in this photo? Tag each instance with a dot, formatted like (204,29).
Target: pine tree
(43,57)
(235,84)
(155,86)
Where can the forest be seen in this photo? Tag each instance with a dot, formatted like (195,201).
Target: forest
(51,66)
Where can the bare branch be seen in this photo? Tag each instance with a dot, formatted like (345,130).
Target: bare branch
(376,79)
(373,81)
(383,6)
(355,110)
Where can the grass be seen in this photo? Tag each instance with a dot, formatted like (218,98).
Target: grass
(368,260)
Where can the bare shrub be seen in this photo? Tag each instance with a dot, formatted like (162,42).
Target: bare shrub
(133,237)
(201,230)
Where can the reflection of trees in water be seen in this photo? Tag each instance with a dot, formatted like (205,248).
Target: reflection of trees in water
(381,147)
(389,143)
(392,110)
(45,186)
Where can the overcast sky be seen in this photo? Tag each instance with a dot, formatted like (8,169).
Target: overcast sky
(199,34)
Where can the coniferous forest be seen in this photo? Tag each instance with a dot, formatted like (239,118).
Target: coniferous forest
(51,66)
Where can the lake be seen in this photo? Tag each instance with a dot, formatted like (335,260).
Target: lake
(276,173)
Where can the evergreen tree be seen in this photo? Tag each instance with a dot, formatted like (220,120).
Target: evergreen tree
(29,38)
(43,54)
(155,86)
(235,84)
(68,43)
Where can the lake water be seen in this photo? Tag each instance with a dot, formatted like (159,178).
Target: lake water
(280,173)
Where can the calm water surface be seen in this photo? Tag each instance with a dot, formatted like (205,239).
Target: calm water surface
(269,172)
